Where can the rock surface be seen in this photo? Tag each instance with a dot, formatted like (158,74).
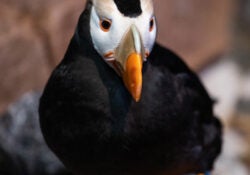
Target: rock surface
(22,57)
(22,147)
(199,31)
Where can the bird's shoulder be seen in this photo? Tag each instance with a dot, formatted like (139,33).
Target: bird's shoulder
(174,69)
(171,89)
(163,57)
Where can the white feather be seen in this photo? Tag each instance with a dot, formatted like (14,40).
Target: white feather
(105,42)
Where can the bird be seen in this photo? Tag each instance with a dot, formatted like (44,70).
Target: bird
(119,103)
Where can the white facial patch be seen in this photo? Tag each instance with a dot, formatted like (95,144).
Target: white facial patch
(105,42)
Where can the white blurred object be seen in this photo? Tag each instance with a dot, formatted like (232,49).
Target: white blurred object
(226,84)
(235,145)
(223,81)
(245,89)
(229,162)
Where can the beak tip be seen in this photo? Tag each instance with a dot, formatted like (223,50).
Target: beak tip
(137,99)
(136,94)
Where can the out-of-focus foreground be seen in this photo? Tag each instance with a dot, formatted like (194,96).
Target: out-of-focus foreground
(212,36)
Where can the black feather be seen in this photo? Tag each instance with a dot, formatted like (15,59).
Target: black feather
(130,8)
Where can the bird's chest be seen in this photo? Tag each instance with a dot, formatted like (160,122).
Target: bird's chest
(103,97)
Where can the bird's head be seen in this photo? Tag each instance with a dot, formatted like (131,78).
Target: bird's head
(123,33)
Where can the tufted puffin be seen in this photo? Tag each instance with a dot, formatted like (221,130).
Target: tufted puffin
(121,104)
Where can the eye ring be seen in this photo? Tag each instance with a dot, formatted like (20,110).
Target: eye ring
(105,24)
(151,24)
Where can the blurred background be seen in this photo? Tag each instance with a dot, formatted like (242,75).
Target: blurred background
(213,37)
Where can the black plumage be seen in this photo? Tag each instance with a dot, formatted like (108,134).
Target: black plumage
(130,8)
(93,125)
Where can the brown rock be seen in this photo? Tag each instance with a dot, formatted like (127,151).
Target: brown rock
(22,63)
(58,26)
(196,30)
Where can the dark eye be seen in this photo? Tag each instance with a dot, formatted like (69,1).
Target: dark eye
(105,24)
(151,24)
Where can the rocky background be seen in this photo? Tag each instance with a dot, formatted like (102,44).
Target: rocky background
(212,36)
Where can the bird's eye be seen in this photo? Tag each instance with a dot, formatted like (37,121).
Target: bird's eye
(105,24)
(151,24)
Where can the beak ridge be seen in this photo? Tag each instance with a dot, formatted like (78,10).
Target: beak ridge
(130,55)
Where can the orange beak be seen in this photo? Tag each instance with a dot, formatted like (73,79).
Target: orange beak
(132,75)
(129,56)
